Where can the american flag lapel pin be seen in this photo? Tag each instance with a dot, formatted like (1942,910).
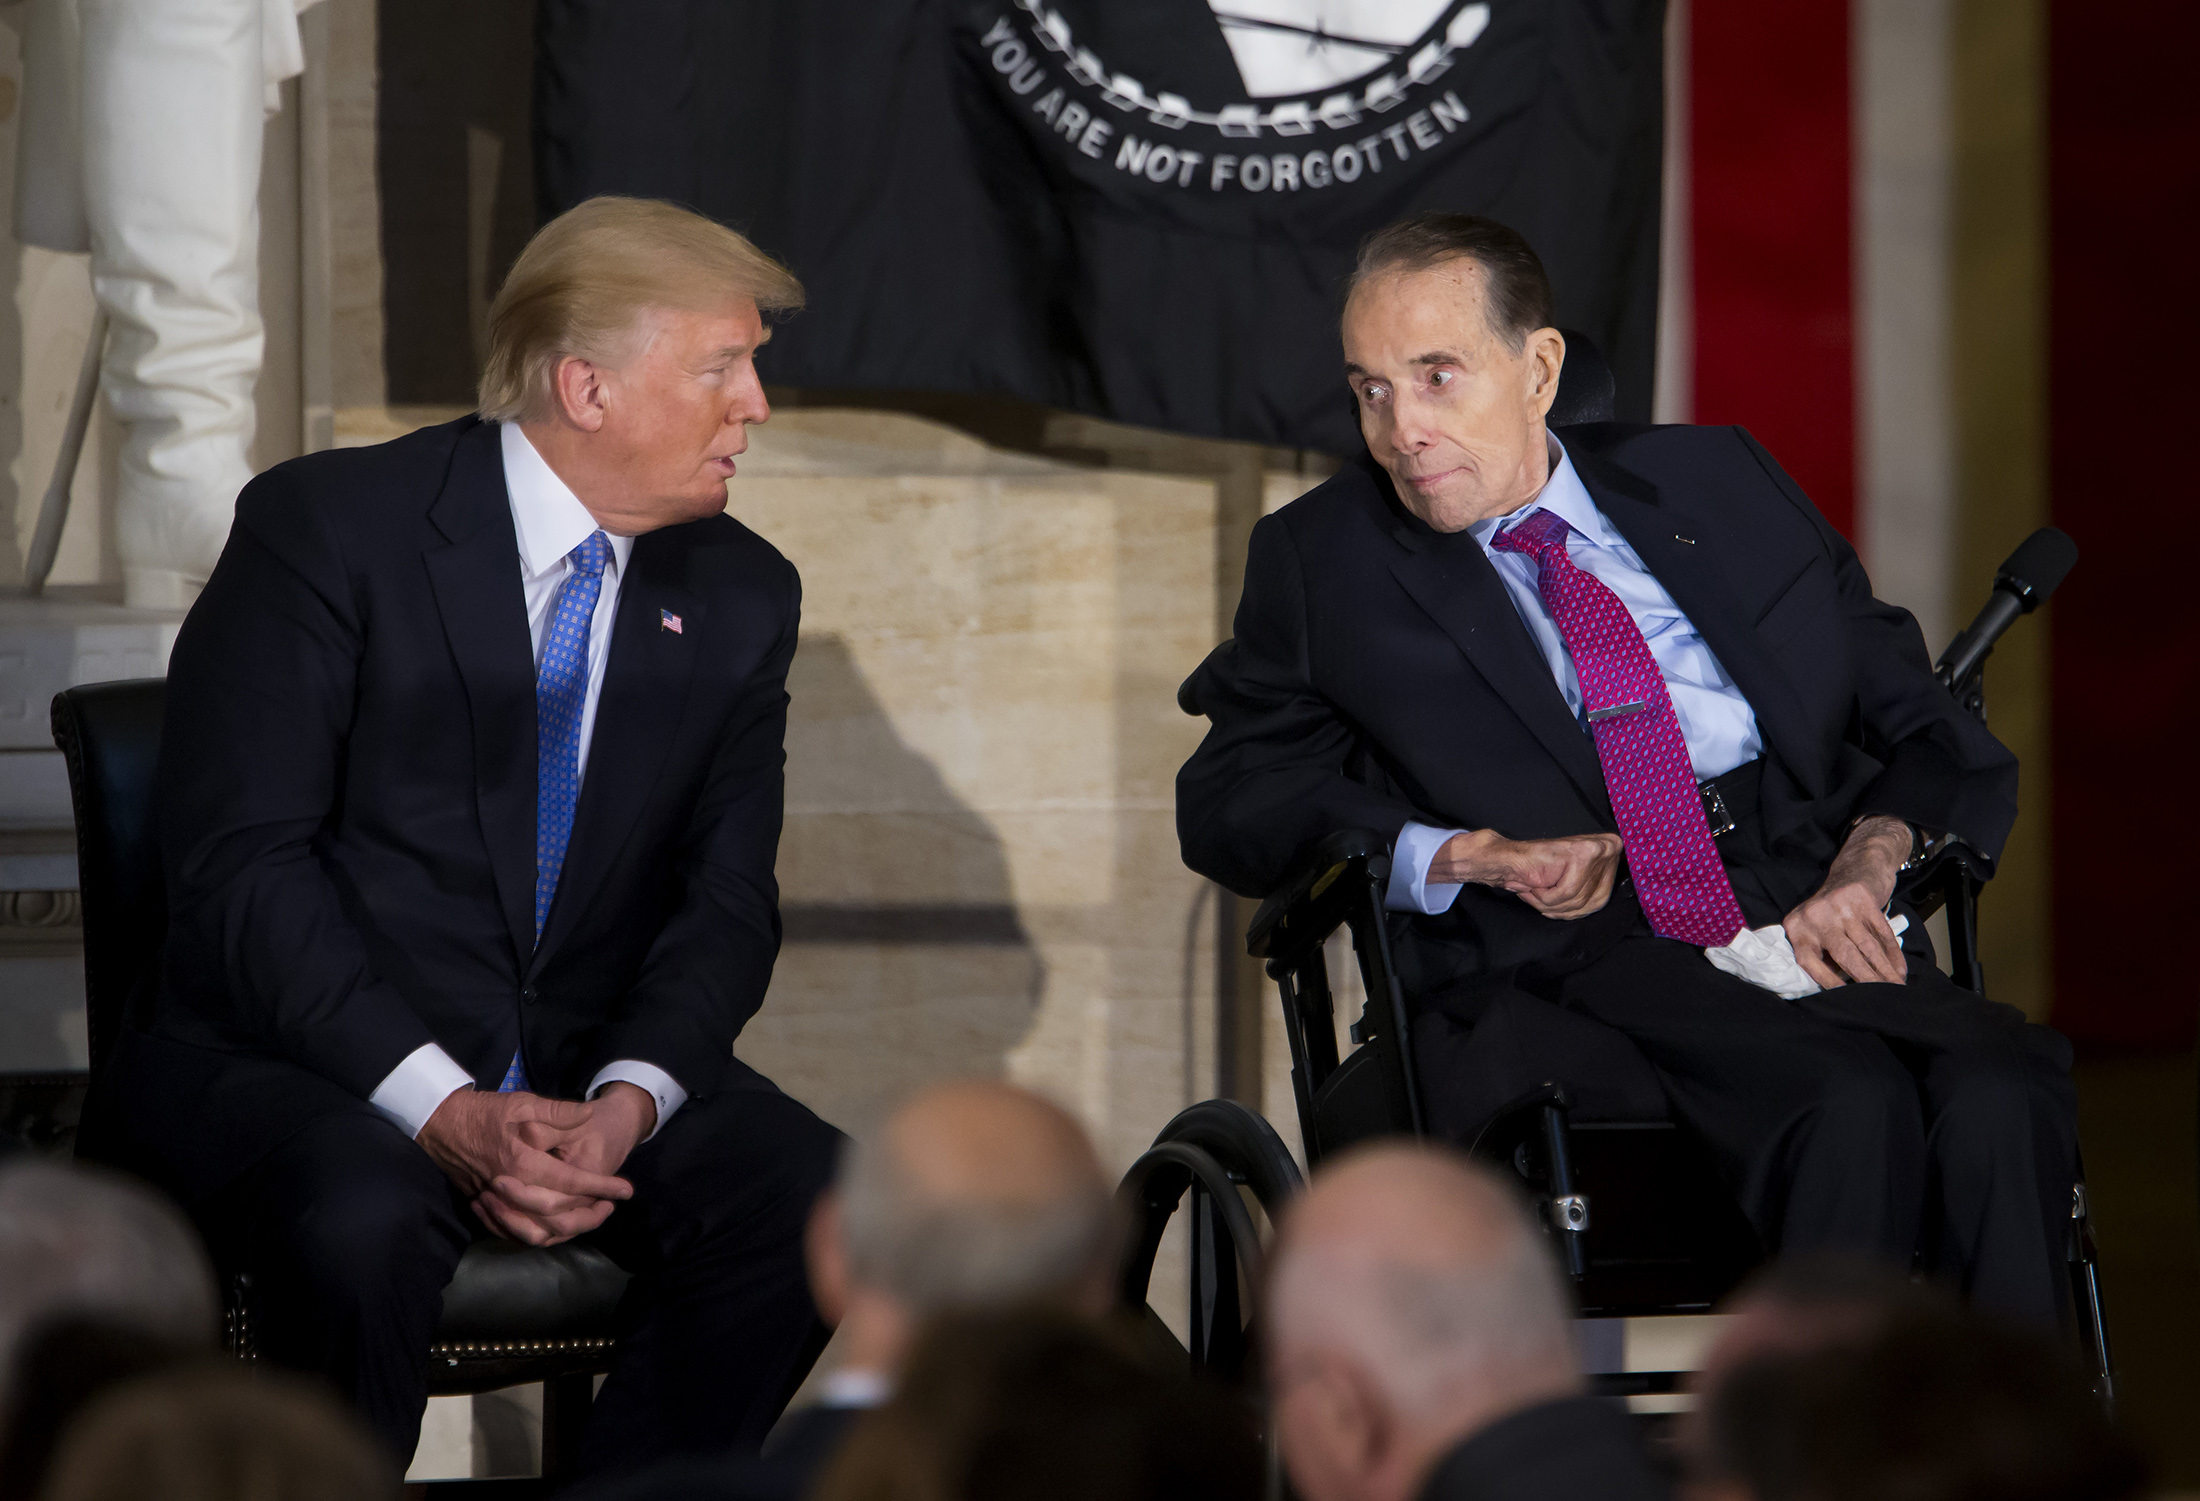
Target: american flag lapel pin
(671,621)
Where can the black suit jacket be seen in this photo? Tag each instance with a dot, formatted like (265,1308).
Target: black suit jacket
(1381,674)
(794,1459)
(1577,1449)
(347,810)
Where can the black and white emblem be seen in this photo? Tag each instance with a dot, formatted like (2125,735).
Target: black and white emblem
(1285,47)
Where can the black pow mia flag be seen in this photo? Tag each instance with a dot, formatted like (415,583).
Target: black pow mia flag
(1141,209)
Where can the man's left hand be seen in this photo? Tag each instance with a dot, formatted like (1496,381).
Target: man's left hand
(624,1116)
(1842,934)
(619,1118)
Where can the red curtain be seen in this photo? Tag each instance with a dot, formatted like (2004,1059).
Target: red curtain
(1770,183)
(2124,391)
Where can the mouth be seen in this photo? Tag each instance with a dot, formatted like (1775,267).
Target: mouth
(1430,481)
(722,467)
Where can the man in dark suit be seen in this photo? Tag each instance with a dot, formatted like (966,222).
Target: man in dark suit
(1621,693)
(470,796)
(1422,1345)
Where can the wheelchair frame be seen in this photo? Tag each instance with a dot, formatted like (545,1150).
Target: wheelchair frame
(1215,1149)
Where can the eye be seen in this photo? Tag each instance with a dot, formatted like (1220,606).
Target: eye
(1441,377)
(1373,392)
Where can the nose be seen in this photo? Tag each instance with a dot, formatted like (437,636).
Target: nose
(746,402)
(1410,429)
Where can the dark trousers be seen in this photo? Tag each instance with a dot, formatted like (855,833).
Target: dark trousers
(352,1233)
(1894,1120)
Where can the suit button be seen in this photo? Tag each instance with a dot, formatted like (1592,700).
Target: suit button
(529,994)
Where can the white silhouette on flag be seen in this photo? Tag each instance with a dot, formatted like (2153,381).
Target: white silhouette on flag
(1298,46)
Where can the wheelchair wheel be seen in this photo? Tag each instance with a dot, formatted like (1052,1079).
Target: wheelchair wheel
(1211,1152)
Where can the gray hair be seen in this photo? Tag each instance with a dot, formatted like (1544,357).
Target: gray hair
(935,1255)
(1423,1326)
(1517,290)
(79,1241)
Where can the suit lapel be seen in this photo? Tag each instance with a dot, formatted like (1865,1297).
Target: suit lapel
(1691,576)
(1463,594)
(477,590)
(645,692)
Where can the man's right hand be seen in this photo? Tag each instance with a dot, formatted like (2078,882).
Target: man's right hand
(1564,878)
(497,1149)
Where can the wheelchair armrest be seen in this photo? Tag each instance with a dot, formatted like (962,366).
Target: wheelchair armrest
(1292,907)
(1925,886)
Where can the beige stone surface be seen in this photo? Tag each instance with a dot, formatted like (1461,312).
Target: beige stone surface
(979,869)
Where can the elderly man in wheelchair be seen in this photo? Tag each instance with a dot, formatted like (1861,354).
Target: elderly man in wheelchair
(1634,797)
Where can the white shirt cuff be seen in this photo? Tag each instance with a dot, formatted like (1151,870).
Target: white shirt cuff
(668,1095)
(1409,890)
(425,1079)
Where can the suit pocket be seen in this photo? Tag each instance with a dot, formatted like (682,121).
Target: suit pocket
(1808,599)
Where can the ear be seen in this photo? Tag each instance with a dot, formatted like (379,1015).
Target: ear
(579,388)
(1546,356)
(1335,1430)
(826,1259)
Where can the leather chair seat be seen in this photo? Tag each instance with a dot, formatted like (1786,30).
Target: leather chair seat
(505,1293)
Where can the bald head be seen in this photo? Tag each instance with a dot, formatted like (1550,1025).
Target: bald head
(976,1194)
(979,1141)
(1426,1271)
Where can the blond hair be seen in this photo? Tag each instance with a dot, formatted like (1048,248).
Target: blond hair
(587,279)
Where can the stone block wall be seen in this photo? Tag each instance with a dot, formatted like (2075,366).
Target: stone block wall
(979,872)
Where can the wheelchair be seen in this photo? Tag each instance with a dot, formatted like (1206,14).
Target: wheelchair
(1642,1224)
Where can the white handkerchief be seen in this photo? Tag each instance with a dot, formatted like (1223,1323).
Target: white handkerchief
(1763,956)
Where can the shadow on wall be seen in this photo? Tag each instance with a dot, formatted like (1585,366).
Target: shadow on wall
(906,960)
(456,169)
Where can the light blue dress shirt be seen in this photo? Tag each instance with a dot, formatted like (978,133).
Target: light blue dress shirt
(1717,723)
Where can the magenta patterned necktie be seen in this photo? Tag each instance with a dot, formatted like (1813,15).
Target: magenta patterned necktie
(1678,875)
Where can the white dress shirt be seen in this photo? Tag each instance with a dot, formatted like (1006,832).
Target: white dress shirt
(1717,723)
(859,1389)
(551,522)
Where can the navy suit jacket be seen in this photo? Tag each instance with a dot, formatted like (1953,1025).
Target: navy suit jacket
(347,811)
(1572,1449)
(1380,673)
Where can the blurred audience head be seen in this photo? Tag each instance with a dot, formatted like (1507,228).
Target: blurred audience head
(974,1195)
(62,1366)
(78,1242)
(1412,1302)
(1042,1405)
(217,1434)
(1814,1302)
(1928,1404)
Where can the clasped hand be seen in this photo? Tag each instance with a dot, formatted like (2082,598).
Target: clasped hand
(537,1170)
(1563,878)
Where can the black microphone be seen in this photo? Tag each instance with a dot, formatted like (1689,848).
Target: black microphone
(2034,571)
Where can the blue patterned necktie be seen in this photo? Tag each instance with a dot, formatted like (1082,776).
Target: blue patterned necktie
(561,688)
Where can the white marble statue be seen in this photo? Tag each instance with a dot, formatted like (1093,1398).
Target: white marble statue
(140,143)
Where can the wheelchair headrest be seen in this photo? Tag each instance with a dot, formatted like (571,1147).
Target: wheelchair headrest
(1586,390)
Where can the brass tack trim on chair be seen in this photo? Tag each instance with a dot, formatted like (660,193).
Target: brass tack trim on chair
(505,1349)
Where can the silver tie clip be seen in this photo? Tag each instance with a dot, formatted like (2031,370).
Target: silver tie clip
(1614,711)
